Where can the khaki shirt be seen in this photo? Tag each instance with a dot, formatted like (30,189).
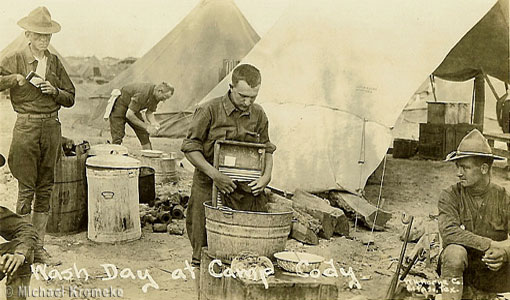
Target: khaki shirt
(218,119)
(29,98)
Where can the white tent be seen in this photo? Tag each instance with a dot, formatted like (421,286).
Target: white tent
(193,57)
(336,76)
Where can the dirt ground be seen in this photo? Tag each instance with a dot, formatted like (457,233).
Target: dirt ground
(409,185)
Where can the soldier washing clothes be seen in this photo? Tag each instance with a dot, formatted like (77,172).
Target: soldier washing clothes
(36,135)
(125,106)
(233,116)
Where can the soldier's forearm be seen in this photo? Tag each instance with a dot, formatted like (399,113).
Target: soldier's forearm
(130,115)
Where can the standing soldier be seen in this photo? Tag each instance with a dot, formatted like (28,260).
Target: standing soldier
(39,86)
(233,116)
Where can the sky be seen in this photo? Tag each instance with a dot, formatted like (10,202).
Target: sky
(122,28)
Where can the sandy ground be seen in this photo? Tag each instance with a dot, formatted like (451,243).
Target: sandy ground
(410,186)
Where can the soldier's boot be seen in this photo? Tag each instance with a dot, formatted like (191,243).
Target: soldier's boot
(41,256)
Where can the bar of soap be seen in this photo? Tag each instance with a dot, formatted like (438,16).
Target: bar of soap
(230,161)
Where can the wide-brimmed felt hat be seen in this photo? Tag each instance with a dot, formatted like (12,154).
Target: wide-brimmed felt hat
(39,20)
(473,144)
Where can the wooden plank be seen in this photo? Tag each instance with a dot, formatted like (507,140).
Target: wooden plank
(332,219)
(501,152)
(502,137)
(305,228)
(352,205)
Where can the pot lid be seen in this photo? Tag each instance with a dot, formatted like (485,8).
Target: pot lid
(102,149)
(113,162)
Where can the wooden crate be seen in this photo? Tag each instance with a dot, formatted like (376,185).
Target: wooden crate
(403,148)
(438,140)
(448,112)
(281,285)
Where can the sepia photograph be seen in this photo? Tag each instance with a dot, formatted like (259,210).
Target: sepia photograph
(255,150)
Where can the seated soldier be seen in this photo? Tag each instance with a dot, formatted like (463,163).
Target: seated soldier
(474,223)
(17,252)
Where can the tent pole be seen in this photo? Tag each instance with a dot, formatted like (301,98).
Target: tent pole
(479,100)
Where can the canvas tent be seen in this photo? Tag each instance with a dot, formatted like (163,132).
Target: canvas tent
(415,112)
(192,57)
(94,70)
(485,48)
(336,76)
(20,42)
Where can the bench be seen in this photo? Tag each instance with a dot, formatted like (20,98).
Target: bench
(500,137)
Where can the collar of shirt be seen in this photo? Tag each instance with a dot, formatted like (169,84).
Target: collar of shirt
(29,56)
(478,193)
(230,108)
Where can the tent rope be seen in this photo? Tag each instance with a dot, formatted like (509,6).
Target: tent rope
(361,162)
(493,90)
(379,204)
(433,85)
(473,103)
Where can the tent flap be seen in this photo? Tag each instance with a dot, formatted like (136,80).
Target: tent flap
(484,47)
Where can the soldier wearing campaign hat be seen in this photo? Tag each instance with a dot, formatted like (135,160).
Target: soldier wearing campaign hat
(39,85)
(474,219)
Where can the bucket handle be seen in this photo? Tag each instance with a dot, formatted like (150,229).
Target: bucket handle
(107,195)
(227,212)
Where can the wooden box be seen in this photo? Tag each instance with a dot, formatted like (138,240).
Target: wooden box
(438,140)
(448,112)
(281,285)
(403,148)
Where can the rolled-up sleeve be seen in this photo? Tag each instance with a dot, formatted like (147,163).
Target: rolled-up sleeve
(264,134)
(135,103)
(197,132)
(450,226)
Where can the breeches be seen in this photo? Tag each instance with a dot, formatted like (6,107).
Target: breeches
(32,157)
(201,191)
(118,122)
(457,261)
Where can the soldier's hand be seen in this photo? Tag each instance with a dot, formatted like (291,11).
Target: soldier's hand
(47,88)
(21,79)
(152,130)
(258,185)
(494,257)
(224,183)
(11,262)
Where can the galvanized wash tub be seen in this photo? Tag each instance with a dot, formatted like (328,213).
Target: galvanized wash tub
(230,232)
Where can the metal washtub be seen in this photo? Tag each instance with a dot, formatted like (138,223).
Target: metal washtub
(230,232)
